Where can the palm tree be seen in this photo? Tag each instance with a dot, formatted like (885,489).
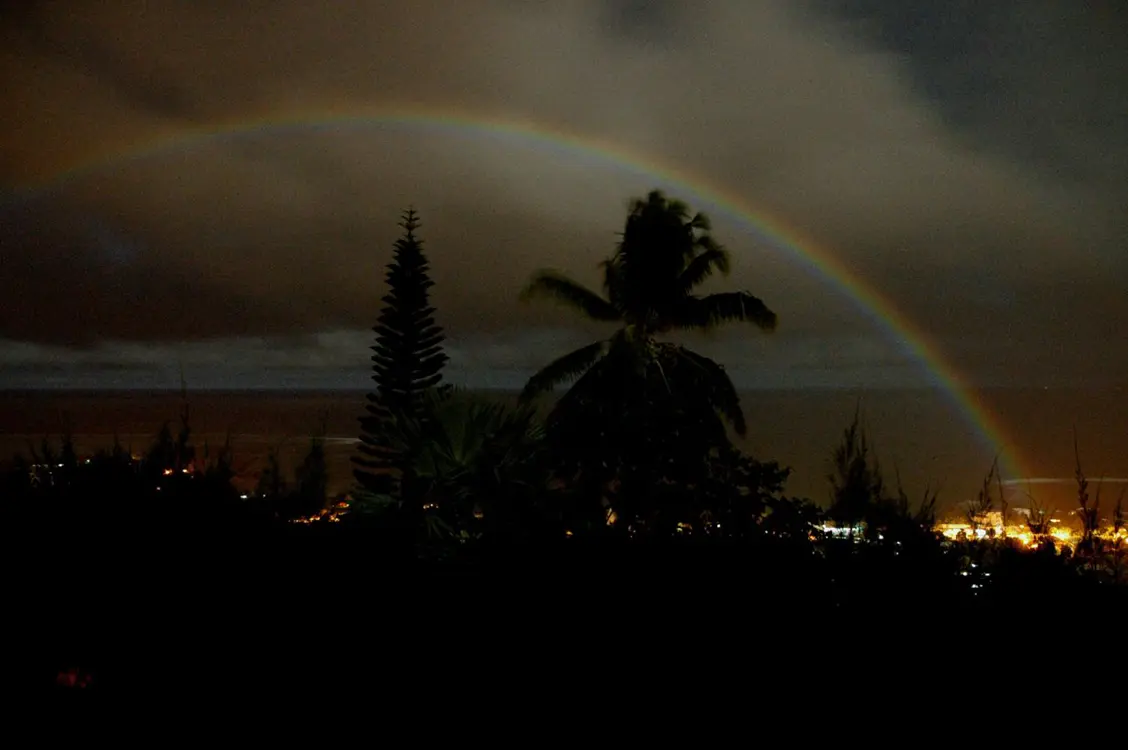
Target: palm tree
(639,405)
(649,284)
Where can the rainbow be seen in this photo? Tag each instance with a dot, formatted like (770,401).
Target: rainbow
(806,252)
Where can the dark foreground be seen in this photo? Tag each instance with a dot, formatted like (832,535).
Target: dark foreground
(335,606)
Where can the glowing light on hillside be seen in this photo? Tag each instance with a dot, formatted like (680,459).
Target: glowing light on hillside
(1059,535)
(328,515)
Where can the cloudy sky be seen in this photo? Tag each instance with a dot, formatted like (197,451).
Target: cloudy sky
(968,160)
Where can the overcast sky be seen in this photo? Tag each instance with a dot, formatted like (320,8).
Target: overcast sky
(969,160)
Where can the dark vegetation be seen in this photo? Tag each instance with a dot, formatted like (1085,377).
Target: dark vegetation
(625,522)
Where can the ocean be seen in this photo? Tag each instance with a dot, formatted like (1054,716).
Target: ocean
(918,434)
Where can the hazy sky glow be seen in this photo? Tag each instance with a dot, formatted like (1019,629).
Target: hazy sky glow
(972,166)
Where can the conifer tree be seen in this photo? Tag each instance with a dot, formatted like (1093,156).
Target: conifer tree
(407,360)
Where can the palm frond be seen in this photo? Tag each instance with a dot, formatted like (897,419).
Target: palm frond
(657,201)
(613,282)
(561,288)
(725,307)
(701,221)
(714,258)
(566,368)
(670,206)
(722,393)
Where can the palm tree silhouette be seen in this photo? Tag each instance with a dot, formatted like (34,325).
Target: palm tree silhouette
(649,283)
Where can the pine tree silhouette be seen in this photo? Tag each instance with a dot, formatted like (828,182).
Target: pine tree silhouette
(407,360)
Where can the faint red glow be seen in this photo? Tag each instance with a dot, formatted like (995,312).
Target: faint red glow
(73,678)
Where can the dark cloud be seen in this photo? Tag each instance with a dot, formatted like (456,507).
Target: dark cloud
(992,228)
(646,22)
(73,42)
(1041,81)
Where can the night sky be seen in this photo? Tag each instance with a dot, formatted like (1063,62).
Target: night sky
(967,159)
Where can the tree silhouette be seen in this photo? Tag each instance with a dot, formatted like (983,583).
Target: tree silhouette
(663,256)
(407,360)
(643,410)
(311,479)
(271,481)
(856,483)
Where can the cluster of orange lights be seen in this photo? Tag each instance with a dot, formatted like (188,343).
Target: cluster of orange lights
(328,515)
(1060,536)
